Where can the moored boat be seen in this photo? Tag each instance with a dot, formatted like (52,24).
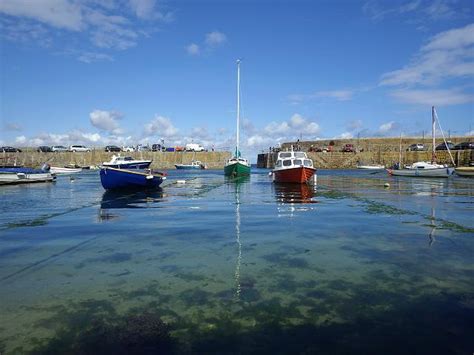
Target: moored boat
(465,171)
(236,165)
(293,167)
(195,164)
(371,167)
(63,171)
(113,178)
(120,162)
(17,175)
(422,168)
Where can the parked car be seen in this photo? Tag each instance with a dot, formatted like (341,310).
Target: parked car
(327,149)
(157,148)
(170,149)
(464,146)
(79,148)
(193,147)
(179,149)
(348,148)
(128,148)
(112,148)
(59,148)
(44,149)
(416,147)
(143,148)
(10,149)
(445,146)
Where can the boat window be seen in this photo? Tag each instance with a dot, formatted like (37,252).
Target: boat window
(298,162)
(278,163)
(287,162)
(300,155)
(308,162)
(285,155)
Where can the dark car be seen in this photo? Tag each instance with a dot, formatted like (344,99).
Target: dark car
(445,146)
(157,148)
(44,149)
(9,149)
(113,148)
(349,148)
(464,146)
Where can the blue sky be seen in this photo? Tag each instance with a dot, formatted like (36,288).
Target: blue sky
(138,71)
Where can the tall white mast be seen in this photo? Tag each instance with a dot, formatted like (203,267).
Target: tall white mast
(433,133)
(238,108)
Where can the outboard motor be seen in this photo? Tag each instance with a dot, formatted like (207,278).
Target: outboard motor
(45,167)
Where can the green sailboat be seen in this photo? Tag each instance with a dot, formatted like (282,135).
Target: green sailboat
(236,165)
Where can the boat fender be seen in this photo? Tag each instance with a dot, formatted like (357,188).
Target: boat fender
(386,185)
(149,177)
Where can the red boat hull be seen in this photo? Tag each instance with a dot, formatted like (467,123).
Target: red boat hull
(299,175)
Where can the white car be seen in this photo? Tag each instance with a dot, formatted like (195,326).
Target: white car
(59,148)
(128,149)
(79,148)
(193,147)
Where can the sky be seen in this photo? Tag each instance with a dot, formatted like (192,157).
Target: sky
(124,72)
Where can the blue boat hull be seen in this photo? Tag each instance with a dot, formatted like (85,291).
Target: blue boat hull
(112,179)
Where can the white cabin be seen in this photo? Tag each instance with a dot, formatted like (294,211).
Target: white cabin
(288,160)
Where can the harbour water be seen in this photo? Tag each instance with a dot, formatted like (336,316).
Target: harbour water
(222,266)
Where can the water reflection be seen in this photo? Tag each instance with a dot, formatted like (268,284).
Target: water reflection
(237,239)
(127,199)
(295,193)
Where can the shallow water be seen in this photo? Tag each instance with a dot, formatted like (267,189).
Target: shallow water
(248,266)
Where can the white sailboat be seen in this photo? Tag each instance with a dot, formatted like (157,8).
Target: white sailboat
(423,168)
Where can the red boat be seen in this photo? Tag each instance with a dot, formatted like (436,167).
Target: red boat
(293,167)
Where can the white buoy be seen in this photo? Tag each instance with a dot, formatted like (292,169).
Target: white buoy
(181,181)
(386,184)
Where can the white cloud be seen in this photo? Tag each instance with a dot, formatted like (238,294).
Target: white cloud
(161,126)
(20,140)
(107,24)
(56,13)
(215,38)
(193,49)
(345,135)
(433,97)
(143,8)
(106,120)
(447,55)
(296,125)
(387,127)
(90,57)
(426,80)
(469,133)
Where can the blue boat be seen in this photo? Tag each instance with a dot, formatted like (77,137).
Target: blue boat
(112,178)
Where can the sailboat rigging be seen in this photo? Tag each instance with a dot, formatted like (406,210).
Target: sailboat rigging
(236,165)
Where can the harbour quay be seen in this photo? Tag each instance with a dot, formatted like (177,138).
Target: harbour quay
(160,160)
(348,153)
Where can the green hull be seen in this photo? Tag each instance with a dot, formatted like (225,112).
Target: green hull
(236,170)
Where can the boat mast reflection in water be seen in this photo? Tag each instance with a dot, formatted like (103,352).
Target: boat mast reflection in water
(238,182)
(112,199)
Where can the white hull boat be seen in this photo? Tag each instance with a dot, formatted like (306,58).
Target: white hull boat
(371,167)
(64,171)
(422,168)
(24,176)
